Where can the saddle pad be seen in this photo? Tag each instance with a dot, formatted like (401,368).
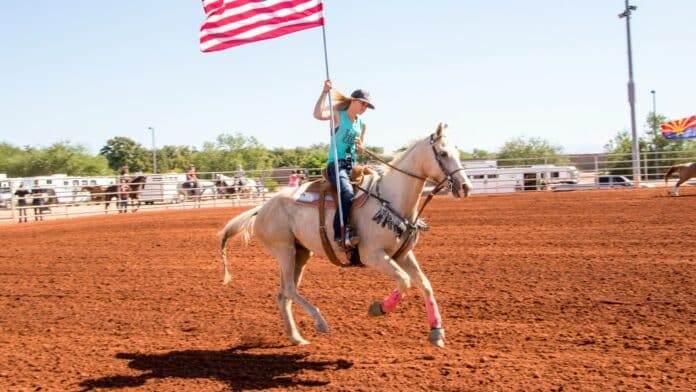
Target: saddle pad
(311,197)
(302,196)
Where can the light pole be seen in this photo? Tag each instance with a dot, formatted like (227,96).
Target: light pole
(653,94)
(654,128)
(631,94)
(154,151)
(654,122)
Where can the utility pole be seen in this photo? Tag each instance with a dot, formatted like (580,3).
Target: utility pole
(631,94)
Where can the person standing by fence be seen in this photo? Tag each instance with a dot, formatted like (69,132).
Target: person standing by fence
(123,193)
(21,194)
(294,179)
(38,200)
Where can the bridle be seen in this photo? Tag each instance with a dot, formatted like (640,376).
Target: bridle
(447,182)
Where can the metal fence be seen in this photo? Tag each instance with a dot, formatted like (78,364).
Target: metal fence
(80,196)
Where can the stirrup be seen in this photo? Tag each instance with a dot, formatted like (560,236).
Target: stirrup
(352,239)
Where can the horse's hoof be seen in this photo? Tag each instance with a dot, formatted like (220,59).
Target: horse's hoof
(321,326)
(375,309)
(436,337)
(299,342)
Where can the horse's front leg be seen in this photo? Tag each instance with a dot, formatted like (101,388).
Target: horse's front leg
(382,262)
(437,333)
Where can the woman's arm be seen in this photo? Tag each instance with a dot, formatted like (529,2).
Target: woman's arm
(359,141)
(320,111)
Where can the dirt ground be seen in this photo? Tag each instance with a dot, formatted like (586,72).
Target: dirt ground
(581,291)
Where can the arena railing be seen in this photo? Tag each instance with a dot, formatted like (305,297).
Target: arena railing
(217,191)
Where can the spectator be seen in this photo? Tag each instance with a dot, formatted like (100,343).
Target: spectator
(294,179)
(38,200)
(123,193)
(123,172)
(21,194)
(301,177)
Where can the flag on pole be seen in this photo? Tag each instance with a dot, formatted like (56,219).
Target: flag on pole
(680,129)
(236,22)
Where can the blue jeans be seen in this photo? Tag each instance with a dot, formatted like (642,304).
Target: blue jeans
(346,195)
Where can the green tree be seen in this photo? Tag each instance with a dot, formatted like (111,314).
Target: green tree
(532,151)
(174,159)
(120,151)
(230,150)
(477,153)
(619,158)
(657,152)
(57,158)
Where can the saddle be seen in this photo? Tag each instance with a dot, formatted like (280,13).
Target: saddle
(322,192)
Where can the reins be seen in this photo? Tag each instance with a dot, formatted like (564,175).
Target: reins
(414,227)
(438,185)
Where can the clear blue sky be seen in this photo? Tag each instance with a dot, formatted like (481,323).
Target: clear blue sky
(86,71)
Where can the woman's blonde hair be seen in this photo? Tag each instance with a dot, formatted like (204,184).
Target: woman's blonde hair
(340,101)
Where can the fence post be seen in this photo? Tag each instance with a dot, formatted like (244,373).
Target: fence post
(596,173)
(12,205)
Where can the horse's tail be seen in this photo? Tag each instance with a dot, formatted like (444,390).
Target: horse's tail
(238,224)
(670,171)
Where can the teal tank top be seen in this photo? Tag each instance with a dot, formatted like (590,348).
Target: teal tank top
(345,137)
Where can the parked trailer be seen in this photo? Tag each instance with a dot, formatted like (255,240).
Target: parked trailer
(68,189)
(161,188)
(487,177)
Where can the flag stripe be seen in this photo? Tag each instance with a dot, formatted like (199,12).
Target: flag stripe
(236,22)
(219,30)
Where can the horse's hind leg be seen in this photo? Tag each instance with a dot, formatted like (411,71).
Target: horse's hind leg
(437,333)
(675,190)
(292,261)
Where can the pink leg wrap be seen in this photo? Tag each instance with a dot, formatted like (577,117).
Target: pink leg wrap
(434,318)
(389,303)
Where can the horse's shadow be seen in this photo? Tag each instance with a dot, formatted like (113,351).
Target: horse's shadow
(235,367)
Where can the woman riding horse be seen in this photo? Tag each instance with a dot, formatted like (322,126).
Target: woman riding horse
(388,223)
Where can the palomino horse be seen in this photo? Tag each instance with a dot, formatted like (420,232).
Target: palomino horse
(289,231)
(686,171)
(136,186)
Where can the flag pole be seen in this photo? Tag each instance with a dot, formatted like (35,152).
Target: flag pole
(333,134)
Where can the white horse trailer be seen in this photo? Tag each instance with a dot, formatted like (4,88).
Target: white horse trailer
(68,189)
(488,178)
(161,188)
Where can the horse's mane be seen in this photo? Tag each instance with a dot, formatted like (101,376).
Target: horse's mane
(400,156)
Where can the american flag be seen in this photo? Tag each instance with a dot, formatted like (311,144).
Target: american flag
(236,22)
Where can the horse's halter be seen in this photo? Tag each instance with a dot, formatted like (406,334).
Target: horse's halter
(449,180)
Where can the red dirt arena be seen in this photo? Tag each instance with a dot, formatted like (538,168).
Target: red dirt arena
(577,291)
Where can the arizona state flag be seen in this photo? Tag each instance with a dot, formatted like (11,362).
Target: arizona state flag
(680,129)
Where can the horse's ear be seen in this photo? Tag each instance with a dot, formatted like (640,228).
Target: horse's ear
(440,129)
